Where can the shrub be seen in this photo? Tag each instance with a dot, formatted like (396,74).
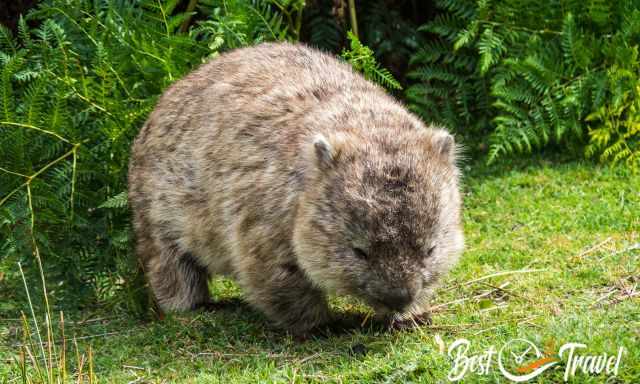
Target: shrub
(533,74)
(73,92)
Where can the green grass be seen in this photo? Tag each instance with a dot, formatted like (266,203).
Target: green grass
(574,224)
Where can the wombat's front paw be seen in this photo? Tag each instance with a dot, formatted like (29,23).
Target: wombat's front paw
(308,325)
(209,306)
(408,322)
(335,325)
(302,334)
(214,306)
(345,323)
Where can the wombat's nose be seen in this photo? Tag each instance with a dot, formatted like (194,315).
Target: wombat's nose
(397,299)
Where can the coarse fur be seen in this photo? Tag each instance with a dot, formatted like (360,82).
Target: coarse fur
(279,166)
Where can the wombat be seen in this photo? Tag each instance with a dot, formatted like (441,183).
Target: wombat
(281,167)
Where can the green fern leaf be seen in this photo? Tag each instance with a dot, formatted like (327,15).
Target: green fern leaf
(362,59)
(118,201)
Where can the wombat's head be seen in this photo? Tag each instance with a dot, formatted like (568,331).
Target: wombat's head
(379,217)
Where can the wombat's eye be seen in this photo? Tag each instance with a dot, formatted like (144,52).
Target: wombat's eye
(360,253)
(430,251)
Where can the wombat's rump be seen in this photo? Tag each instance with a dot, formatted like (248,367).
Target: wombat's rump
(279,166)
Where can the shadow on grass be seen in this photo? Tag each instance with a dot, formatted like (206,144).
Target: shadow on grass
(342,324)
(229,335)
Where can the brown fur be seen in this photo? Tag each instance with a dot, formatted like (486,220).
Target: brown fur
(271,164)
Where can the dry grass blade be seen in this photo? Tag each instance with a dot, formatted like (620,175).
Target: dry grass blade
(35,320)
(63,358)
(630,248)
(603,297)
(504,273)
(497,274)
(91,375)
(367,316)
(594,248)
(468,326)
(22,363)
(478,296)
(506,291)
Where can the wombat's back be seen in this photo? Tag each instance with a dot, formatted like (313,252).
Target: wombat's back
(220,148)
(247,89)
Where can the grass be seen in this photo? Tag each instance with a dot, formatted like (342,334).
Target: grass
(552,256)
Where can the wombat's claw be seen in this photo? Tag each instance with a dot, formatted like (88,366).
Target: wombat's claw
(339,325)
(401,323)
(301,337)
(344,324)
(220,304)
(209,306)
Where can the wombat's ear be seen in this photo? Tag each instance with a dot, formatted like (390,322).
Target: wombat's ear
(444,144)
(325,153)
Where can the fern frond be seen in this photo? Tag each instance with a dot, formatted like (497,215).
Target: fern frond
(7,43)
(490,48)
(568,37)
(599,11)
(272,23)
(362,59)
(326,33)
(117,201)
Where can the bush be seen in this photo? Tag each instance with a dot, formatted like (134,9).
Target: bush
(73,93)
(534,73)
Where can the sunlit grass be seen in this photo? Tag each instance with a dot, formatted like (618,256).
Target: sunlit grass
(552,256)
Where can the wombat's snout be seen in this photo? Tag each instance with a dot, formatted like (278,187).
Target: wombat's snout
(397,299)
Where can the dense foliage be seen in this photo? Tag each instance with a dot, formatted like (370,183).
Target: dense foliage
(534,73)
(73,93)
(77,83)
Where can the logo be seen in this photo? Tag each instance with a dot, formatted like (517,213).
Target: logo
(520,360)
(527,359)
